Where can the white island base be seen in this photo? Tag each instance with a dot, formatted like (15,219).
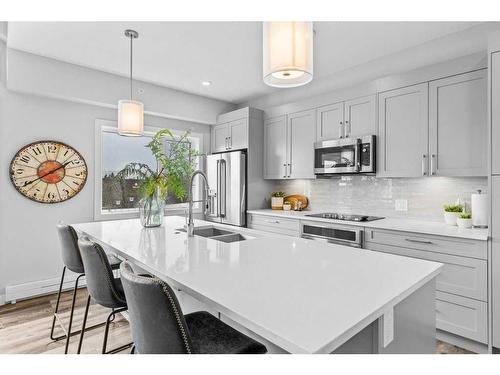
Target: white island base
(412,329)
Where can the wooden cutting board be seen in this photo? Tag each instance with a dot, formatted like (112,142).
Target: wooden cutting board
(297,197)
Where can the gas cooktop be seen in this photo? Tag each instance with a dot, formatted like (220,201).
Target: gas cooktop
(345,217)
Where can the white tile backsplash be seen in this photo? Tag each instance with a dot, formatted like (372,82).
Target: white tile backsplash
(377,196)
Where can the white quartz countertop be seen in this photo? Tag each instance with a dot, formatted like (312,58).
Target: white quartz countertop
(304,296)
(404,225)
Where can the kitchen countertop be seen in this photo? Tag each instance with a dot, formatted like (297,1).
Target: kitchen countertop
(404,225)
(304,296)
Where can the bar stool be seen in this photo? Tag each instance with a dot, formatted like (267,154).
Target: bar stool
(73,261)
(103,288)
(159,326)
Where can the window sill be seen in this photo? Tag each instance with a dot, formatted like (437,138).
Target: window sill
(134,214)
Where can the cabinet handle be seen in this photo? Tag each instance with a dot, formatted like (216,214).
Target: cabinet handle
(347,129)
(424,165)
(289,169)
(225,143)
(273,221)
(341,132)
(229,143)
(433,169)
(419,241)
(285,170)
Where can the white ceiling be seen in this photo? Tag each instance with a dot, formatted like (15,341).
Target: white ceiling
(181,55)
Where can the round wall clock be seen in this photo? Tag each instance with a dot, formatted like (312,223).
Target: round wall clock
(48,171)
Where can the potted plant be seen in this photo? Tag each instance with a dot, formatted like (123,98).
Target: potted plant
(175,165)
(451,212)
(464,220)
(277,200)
(287,206)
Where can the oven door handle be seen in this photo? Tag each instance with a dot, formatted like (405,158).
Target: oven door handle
(335,241)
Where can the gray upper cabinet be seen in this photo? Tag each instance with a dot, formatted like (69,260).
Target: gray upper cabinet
(330,122)
(275,150)
(360,117)
(403,132)
(238,134)
(495,114)
(352,118)
(220,133)
(458,125)
(230,136)
(301,136)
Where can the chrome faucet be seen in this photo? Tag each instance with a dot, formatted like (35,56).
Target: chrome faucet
(206,201)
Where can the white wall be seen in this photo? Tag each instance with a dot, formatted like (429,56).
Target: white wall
(29,248)
(33,74)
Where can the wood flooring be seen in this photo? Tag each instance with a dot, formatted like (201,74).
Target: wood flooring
(25,327)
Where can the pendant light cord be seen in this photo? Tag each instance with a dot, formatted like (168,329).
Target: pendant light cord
(131,38)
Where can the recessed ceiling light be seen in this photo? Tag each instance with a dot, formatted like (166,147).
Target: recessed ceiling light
(206,83)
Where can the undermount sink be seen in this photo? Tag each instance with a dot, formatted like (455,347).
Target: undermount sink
(210,232)
(219,234)
(235,237)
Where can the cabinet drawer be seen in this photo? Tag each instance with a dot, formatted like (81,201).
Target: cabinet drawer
(437,244)
(460,275)
(462,316)
(274,224)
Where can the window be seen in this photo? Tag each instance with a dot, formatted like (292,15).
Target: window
(118,196)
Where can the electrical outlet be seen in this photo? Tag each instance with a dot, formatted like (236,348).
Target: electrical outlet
(401,205)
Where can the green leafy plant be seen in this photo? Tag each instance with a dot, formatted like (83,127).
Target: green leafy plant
(453,208)
(465,215)
(278,194)
(175,165)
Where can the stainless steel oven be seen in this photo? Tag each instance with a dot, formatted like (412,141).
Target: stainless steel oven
(332,233)
(345,156)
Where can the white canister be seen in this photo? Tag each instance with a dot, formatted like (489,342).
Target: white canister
(479,208)
(450,218)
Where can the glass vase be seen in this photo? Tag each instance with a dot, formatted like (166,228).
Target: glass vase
(151,211)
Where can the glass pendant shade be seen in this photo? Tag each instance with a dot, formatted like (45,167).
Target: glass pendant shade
(130,118)
(287,53)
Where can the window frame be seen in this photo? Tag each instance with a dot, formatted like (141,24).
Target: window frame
(171,209)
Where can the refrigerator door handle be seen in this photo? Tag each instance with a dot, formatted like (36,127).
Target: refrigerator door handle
(222,188)
(217,192)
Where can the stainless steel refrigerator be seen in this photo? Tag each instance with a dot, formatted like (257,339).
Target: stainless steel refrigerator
(226,174)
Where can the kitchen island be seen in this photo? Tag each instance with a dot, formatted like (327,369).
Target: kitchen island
(294,295)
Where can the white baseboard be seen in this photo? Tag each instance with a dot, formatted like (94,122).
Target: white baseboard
(32,289)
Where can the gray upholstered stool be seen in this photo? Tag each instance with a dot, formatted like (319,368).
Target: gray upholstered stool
(72,260)
(159,326)
(103,288)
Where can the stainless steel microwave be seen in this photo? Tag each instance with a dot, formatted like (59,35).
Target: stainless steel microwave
(345,156)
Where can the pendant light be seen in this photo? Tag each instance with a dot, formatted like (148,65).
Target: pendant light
(287,53)
(130,112)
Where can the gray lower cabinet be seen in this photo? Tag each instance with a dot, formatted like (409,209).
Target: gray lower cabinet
(290,227)
(462,316)
(458,125)
(462,286)
(403,132)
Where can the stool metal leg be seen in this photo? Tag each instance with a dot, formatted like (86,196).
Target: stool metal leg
(106,332)
(57,319)
(82,331)
(57,308)
(68,334)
